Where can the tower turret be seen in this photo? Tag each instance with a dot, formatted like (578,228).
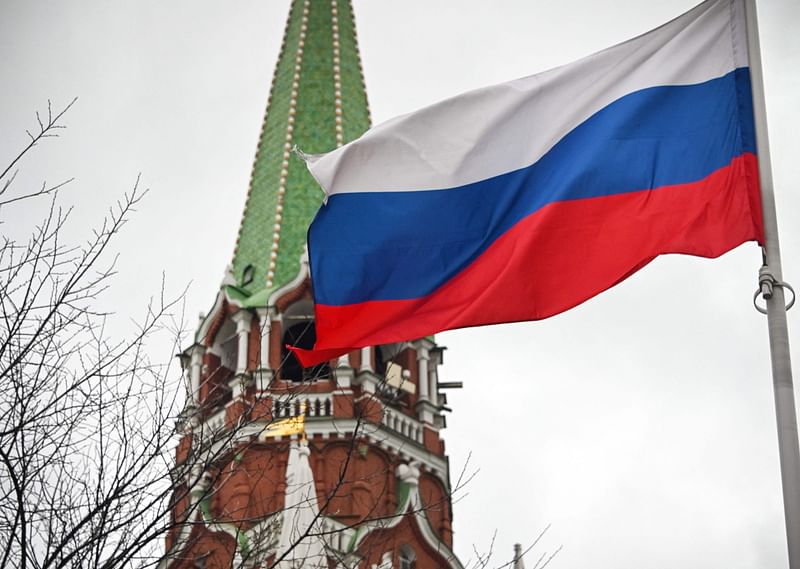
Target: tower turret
(364,480)
(517,561)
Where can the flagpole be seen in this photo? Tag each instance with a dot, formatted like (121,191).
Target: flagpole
(789,448)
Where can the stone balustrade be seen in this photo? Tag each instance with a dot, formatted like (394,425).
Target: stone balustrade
(403,424)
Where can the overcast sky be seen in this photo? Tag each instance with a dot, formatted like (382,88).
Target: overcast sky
(639,425)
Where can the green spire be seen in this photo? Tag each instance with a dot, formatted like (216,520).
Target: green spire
(317,102)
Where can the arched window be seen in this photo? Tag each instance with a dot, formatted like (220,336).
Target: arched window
(226,345)
(380,362)
(222,362)
(248,274)
(383,355)
(298,322)
(408,559)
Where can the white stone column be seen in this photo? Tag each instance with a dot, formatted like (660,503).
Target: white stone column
(345,375)
(433,378)
(423,357)
(264,325)
(186,375)
(195,370)
(366,359)
(243,319)
(264,373)
(425,407)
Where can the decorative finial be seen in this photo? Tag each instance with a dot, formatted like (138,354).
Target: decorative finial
(409,473)
(229,279)
(518,562)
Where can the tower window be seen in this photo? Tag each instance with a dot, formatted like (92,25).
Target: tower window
(226,345)
(380,361)
(299,330)
(248,274)
(408,559)
(384,355)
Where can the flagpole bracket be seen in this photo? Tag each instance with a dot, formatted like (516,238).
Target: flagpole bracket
(766,284)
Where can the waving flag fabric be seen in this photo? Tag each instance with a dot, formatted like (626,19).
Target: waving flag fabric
(521,200)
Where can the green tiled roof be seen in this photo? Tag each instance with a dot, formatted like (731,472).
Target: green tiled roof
(318,79)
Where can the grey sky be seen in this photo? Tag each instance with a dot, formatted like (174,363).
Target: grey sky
(640,425)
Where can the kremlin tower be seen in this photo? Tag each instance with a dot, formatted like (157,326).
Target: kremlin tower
(337,466)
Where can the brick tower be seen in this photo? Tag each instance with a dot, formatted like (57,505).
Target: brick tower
(365,482)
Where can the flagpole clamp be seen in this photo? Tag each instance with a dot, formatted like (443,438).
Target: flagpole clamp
(766,285)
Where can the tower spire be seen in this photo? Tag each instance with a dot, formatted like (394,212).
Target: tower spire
(368,483)
(317,102)
(518,562)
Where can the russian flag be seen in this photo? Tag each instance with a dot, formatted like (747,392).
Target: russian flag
(521,200)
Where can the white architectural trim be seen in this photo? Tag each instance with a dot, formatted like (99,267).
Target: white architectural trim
(428,533)
(409,475)
(366,359)
(208,319)
(302,274)
(264,327)
(196,352)
(330,428)
(403,424)
(242,318)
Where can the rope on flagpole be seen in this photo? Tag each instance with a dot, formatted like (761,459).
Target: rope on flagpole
(766,284)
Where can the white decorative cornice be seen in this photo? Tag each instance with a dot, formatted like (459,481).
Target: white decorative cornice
(208,319)
(243,318)
(301,275)
(425,345)
(409,473)
(215,442)
(228,279)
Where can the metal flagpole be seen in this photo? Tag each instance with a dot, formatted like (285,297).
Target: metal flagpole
(770,281)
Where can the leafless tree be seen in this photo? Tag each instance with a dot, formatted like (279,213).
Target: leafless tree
(86,421)
(88,476)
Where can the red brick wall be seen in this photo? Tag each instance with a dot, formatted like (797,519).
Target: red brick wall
(405,533)
(217,548)
(437,506)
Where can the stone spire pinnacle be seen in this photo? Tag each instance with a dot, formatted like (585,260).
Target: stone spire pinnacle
(300,542)
(317,102)
(518,562)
